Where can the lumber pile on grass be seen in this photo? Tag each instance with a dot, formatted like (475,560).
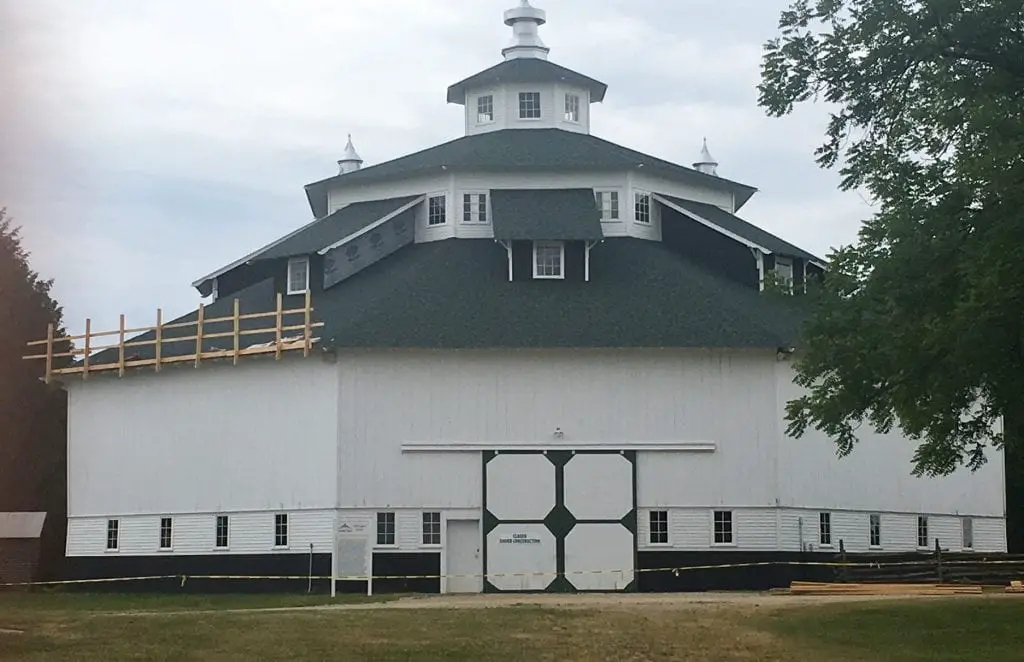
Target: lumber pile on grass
(816,588)
(1016,586)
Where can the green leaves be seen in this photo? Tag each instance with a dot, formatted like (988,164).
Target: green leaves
(920,323)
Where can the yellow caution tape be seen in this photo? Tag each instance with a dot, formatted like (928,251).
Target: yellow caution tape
(676,571)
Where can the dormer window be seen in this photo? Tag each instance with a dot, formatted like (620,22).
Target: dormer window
(784,271)
(529,105)
(572,108)
(484,109)
(436,210)
(642,208)
(298,275)
(548,259)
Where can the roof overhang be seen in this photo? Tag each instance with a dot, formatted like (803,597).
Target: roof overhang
(525,70)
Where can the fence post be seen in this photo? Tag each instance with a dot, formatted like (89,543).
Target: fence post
(938,559)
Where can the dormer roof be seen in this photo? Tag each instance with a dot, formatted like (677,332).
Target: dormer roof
(525,70)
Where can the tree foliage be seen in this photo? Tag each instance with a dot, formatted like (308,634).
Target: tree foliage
(32,415)
(920,323)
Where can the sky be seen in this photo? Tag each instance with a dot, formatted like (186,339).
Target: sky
(146,144)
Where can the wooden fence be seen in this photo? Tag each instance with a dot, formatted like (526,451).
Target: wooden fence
(196,332)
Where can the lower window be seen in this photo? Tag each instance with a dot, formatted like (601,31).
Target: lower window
(659,527)
(432,528)
(385,528)
(723,527)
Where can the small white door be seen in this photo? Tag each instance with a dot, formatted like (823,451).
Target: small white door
(463,556)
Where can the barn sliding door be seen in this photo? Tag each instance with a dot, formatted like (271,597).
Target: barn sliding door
(559,520)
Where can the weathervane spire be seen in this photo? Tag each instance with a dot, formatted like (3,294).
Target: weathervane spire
(524,21)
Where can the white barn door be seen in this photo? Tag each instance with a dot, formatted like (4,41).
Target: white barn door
(559,520)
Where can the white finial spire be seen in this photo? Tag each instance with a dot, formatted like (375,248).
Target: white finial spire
(350,161)
(707,163)
(524,21)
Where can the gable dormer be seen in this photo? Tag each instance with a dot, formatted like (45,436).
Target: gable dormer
(547,233)
(526,91)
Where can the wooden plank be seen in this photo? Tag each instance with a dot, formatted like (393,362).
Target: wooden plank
(85,362)
(277,327)
(120,349)
(306,331)
(158,344)
(49,353)
(235,358)
(199,335)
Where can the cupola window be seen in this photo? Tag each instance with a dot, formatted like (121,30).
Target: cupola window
(548,259)
(529,105)
(485,109)
(572,108)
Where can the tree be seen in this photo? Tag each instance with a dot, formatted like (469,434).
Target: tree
(920,323)
(33,420)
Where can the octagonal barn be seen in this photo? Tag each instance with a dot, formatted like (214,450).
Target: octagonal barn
(526,359)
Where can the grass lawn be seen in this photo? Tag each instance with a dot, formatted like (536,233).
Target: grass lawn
(61,627)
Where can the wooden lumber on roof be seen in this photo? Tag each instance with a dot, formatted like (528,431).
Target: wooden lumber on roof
(282,342)
(816,588)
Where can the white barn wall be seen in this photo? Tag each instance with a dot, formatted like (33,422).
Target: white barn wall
(261,435)
(194,534)
(386,399)
(876,476)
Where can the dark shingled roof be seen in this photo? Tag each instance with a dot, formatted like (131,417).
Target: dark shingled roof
(454,294)
(545,214)
(517,150)
(329,229)
(738,226)
(525,70)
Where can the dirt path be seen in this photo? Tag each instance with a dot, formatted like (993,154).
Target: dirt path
(595,601)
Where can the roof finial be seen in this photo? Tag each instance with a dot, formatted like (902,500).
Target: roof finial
(350,160)
(707,164)
(524,21)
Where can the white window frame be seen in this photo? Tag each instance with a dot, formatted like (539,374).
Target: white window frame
(875,522)
(483,118)
(605,194)
(170,534)
(444,210)
(967,533)
(540,105)
(216,532)
(113,527)
(280,530)
(786,273)
(572,108)
(474,197)
(825,529)
(424,531)
(731,530)
(394,529)
(650,528)
(296,288)
(638,196)
(922,527)
(560,245)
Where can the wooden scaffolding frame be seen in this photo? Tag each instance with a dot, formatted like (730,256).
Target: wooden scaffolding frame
(281,343)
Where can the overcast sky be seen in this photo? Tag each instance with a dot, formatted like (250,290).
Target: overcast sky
(151,142)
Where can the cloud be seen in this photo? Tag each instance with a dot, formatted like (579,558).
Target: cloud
(178,136)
